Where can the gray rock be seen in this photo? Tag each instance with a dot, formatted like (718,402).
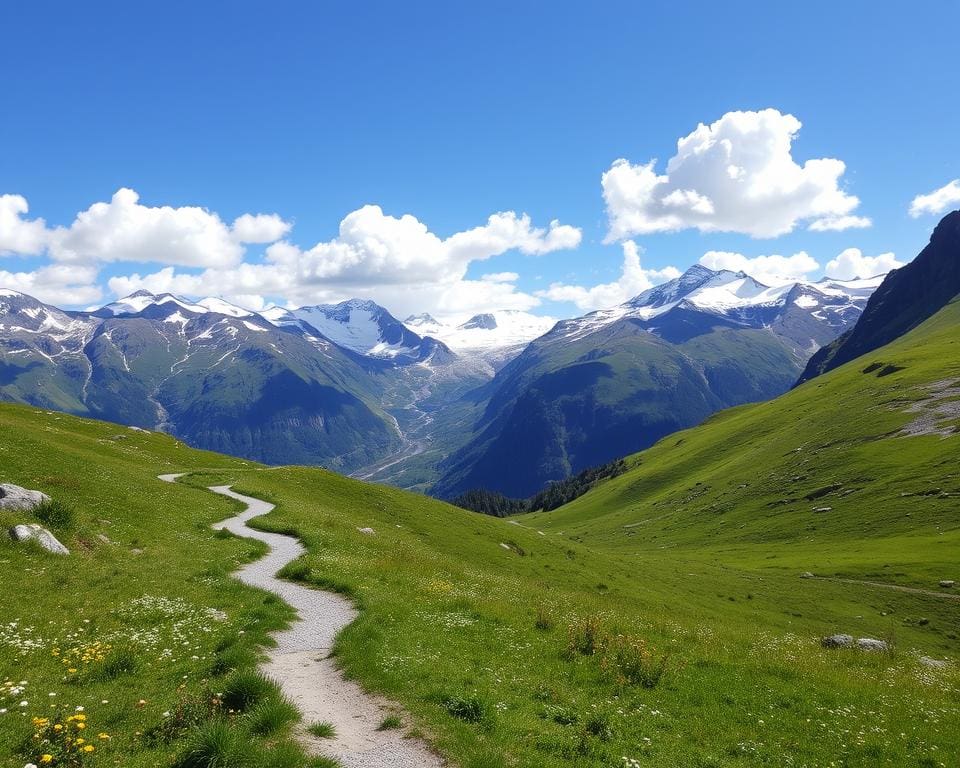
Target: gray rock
(823,509)
(927,661)
(367,531)
(837,641)
(139,429)
(15,497)
(43,537)
(947,584)
(807,575)
(872,644)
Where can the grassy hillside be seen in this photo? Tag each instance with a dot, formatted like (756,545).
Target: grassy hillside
(744,488)
(574,638)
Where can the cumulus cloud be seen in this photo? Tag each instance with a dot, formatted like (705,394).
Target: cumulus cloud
(375,248)
(937,201)
(397,261)
(259,228)
(734,175)
(769,270)
(851,263)
(634,279)
(58,284)
(125,230)
(20,236)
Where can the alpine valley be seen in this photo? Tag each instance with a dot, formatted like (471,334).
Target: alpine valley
(421,404)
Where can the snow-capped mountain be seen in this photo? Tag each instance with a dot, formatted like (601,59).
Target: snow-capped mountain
(215,375)
(348,384)
(363,327)
(615,381)
(496,337)
(166,303)
(809,314)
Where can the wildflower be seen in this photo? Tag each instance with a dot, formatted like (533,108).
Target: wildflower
(47,758)
(103,736)
(89,748)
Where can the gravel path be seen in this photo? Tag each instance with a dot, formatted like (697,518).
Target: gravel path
(300,662)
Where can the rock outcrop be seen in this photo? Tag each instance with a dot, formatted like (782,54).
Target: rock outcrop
(43,537)
(15,497)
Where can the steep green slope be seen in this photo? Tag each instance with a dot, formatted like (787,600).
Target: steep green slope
(854,474)
(906,298)
(565,405)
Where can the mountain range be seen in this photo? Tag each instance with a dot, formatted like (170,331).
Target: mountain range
(615,381)
(506,400)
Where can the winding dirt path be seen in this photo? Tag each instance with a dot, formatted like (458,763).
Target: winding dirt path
(301,665)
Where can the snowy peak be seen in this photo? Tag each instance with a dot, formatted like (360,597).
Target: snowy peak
(157,306)
(485,321)
(494,336)
(813,311)
(20,313)
(424,318)
(221,307)
(362,326)
(142,302)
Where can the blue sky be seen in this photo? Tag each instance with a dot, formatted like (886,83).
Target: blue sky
(451,113)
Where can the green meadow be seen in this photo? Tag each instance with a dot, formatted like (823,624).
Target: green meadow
(659,620)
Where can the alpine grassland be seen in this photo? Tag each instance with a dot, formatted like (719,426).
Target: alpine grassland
(671,616)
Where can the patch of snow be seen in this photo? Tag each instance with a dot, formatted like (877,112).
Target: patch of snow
(253,327)
(499,330)
(222,307)
(176,317)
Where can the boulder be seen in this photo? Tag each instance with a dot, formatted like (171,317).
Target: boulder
(43,537)
(15,497)
(927,661)
(837,641)
(947,584)
(872,644)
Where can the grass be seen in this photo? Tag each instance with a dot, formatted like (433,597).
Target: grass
(323,730)
(55,514)
(390,723)
(666,597)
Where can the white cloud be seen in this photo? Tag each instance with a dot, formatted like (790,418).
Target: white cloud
(500,277)
(124,230)
(59,284)
(259,228)
(398,262)
(839,223)
(937,201)
(851,263)
(735,175)
(634,279)
(770,270)
(18,235)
